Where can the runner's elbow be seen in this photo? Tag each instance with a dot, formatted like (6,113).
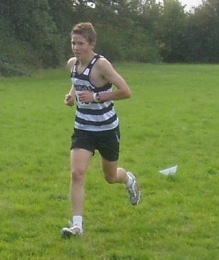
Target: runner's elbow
(127,93)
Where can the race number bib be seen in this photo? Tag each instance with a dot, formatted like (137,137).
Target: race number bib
(80,103)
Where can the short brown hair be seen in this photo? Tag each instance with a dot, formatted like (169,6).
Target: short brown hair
(87,30)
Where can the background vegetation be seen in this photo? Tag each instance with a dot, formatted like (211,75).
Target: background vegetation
(35,33)
(171,119)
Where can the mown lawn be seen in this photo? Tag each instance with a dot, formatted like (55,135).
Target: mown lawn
(172,118)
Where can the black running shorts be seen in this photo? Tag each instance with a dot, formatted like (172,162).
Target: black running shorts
(106,142)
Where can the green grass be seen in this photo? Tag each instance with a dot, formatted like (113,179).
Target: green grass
(172,118)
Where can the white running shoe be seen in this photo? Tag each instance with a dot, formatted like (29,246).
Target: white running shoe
(74,230)
(134,191)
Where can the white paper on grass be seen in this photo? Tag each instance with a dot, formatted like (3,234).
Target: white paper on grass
(169,171)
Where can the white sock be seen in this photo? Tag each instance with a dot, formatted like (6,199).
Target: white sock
(77,221)
(129,182)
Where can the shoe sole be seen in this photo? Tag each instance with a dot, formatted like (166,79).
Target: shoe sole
(139,196)
(137,188)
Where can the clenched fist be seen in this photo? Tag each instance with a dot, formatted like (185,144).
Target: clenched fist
(69,100)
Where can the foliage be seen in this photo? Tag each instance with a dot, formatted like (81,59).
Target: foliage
(203,31)
(172,33)
(143,31)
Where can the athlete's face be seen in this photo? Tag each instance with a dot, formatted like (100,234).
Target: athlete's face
(80,46)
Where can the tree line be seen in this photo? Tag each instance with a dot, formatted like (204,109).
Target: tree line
(36,33)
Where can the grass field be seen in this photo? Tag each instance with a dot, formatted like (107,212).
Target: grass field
(172,118)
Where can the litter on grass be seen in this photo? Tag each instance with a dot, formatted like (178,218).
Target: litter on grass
(169,171)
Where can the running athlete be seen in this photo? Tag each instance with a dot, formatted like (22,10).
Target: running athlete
(96,123)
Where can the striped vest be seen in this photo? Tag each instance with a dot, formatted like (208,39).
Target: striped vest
(92,116)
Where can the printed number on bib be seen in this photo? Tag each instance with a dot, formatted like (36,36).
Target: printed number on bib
(81,103)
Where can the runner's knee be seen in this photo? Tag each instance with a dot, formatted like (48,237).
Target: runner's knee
(77,175)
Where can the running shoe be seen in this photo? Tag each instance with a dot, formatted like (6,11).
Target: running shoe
(73,230)
(134,191)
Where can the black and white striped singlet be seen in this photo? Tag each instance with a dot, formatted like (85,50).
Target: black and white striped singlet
(92,116)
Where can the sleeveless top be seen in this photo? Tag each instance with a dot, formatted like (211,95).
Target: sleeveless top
(92,116)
